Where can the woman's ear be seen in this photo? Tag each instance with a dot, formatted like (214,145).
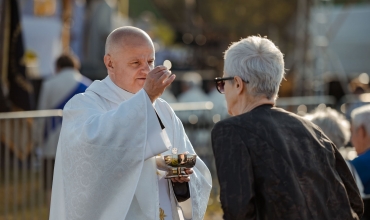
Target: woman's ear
(239,84)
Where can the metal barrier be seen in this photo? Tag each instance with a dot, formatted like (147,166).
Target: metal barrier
(25,175)
(23,193)
(303,104)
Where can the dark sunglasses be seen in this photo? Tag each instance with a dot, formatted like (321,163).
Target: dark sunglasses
(220,83)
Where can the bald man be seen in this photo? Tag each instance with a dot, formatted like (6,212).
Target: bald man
(106,164)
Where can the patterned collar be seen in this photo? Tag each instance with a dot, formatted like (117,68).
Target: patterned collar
(108,90)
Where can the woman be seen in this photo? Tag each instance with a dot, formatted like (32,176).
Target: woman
(273,164)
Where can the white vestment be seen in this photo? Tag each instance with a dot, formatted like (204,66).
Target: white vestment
(105,167)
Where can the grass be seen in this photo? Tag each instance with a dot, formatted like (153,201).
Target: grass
(214,211)
(22,200)
(19,195)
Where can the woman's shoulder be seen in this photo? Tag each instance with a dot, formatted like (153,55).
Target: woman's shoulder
(256,119)
(231,124)
(248,117)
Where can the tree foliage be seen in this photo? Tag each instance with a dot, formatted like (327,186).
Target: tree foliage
(222,22)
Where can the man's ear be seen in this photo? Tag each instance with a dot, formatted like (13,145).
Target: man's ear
(108,62)
(362,131)
(239,84)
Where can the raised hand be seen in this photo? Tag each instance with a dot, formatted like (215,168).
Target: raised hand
(157,80)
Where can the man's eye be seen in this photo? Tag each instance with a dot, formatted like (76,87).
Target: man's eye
(151,62)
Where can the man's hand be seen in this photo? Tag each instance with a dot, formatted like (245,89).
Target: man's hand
(157,80)
(161,165)
(182,179)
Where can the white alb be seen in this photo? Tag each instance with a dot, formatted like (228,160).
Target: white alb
(105,167)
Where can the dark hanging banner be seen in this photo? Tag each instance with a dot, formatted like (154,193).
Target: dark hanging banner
(20,88)
(2,31)
(4,105)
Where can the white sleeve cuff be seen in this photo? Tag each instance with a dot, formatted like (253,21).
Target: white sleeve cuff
(157,140)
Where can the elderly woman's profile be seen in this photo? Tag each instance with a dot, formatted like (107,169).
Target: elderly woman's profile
(273,164)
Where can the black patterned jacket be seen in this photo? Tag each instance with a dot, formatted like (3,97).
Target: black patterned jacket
(272,164)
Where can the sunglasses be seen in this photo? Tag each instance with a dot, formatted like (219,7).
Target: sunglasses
(220,83)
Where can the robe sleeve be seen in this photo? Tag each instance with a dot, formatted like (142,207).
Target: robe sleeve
(99,127)
(349,183)
(100,156)
(200,184)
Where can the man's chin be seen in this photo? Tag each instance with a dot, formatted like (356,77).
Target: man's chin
(141,82)
(139,86)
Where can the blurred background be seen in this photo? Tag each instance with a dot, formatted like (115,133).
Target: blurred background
(326,45)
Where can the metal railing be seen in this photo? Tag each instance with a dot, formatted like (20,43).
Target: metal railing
(22,184)
(26,174)
(304,104)
(25,177)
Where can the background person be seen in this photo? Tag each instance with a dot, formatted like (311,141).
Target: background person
(360,140)
(191,86)
(273,164)
(337,128)
(55,92)
(333,124)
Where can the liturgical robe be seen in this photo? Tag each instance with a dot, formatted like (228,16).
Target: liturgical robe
(105,167)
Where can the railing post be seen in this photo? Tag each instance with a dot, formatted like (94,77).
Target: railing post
(15,167)
(7,167)
(24,143)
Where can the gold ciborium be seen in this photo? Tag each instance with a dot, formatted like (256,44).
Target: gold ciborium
(178,163)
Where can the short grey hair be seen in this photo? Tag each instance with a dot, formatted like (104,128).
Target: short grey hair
(256,60)
(361,117)
(333,124)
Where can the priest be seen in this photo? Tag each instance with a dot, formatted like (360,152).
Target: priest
(109,161)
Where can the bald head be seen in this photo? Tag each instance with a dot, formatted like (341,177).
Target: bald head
(127,35)
(129,57)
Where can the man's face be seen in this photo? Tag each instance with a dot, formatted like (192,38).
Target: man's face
(357,140)
(131,64)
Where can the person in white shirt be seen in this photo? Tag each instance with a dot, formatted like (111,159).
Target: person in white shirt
(192,88)
(107,165)
(55,92)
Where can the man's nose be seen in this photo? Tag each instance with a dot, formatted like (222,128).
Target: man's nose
(147,68)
